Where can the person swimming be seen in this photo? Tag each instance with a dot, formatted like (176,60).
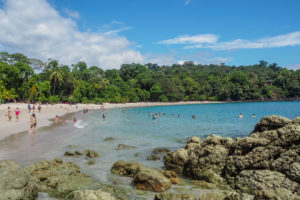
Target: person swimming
(253,115)
(240,115)
(74,120)
(193,116)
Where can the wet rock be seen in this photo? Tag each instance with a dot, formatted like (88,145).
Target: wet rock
(92,195)
(109,139)
(271,122)
(69,153)
(91,162)
(78,153)
(124,146)
(151,180)
(137,155)
(125,168)
(174,196)
(172,176)
(58,160)
(153,157)
(176,160)
(160,150)
(91,154)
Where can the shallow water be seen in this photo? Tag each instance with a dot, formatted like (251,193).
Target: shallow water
(133,126)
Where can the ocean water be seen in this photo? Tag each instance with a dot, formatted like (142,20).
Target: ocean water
(134,126)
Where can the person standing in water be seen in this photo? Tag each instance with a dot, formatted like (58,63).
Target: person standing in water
(17,112)
(9,114)
(33,123)
(104,116)
(56,119)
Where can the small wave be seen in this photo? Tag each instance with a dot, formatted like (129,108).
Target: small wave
(80,124)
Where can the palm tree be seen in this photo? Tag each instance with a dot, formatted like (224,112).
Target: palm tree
(56,77)
(104,83)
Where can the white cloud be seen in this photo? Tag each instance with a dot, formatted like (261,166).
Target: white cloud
(290,39)
(36,29)
(194,39)
(187,2)
(211,41)
(71,13)
(294,66)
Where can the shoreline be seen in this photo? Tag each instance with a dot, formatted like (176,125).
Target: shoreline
(48,113)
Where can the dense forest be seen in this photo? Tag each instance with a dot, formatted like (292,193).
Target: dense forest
(24,79)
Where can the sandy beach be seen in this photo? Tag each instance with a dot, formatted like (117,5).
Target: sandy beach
(48,113)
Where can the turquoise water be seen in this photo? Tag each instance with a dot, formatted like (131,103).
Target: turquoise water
(133,126)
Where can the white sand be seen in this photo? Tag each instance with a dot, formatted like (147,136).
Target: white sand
(48,113)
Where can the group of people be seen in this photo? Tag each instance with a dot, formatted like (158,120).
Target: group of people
(155,115)
(10,114)
(241,116)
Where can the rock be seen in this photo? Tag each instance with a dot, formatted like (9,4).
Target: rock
(91,154)
(296,120)
(125,146)
(92,195)
(59,179)
(69,153)
(172,176)
(137,155)
(125,168)
(174,196)
(8,165)
(15,185)
(57,160)
(109,139)
(151,180)
(153,157)
(265,181)
(176,160)
(91,162)
(271,122)
(160,150)
(194,139)
(78,153)
(265,164)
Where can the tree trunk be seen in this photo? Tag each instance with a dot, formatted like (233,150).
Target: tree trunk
(54,88)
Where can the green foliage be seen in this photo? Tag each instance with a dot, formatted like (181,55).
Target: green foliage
(136,82)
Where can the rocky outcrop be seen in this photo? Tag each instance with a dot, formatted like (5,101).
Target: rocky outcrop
(265,164)
(109,139)
(151,180)
(92,195)
(143,177)
(124,146)
(160,150)
(153,157)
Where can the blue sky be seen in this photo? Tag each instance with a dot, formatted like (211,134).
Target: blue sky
(109,33)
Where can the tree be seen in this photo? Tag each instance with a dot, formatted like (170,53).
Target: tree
(56,77)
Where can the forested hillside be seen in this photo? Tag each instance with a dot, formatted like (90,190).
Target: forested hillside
(24,79)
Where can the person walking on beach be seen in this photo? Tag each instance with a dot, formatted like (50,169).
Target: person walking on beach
(39,107)
(33,123)
(9,114)
(29,108)
(17,112)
